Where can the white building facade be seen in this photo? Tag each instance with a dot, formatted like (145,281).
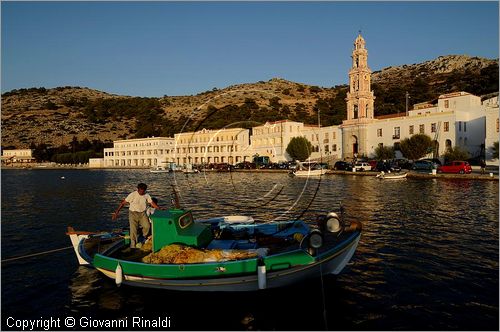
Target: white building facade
(139,152)
(458,119)
(18,156)
(228,145)
(492,129)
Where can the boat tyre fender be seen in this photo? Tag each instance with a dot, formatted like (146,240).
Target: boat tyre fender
(118,275)
(313,240)
(261,273)
(330,223)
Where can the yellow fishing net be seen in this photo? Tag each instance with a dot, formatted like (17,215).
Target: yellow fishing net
(181,254)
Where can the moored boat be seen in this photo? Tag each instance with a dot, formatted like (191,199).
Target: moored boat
(308,169)
(160,169)
(232,253)
(391,176)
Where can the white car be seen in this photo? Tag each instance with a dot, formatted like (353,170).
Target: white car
(361,166)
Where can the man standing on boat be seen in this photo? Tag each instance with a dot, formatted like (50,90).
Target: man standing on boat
(138,201)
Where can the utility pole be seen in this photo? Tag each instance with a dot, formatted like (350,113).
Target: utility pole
(407,97)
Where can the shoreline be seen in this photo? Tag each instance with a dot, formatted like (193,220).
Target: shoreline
(411,174)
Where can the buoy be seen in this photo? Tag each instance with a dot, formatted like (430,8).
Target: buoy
(261,273)
(118,275)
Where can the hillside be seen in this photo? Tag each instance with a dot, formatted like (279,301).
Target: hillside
(55,116)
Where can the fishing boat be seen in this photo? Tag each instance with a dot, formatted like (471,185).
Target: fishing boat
(390,176)
(307,169)
(231,253)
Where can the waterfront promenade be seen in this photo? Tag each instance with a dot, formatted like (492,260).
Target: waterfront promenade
(491,174)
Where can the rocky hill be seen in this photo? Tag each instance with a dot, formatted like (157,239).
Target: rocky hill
(55,116)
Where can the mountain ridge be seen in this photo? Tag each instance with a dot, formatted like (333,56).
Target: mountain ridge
(54,116)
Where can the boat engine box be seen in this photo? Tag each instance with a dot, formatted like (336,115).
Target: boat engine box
(177,226)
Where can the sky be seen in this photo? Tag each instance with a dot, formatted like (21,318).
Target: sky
(152,49)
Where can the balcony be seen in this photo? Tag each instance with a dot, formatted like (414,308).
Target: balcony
(395,136)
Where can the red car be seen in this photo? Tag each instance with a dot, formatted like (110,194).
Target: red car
(455,167)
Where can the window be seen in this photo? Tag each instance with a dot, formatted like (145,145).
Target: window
(465,126)
(333,134)
(379,132)
(446,126)
(422,128)
(433,127)
(334,147)
(459,125)
(465,141)
(446,103)
(411,130)
(498,125)
(397,132)
(355,115)
(397,146)
(326,148)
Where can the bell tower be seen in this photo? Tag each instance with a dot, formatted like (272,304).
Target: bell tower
(360,98)
(360,104)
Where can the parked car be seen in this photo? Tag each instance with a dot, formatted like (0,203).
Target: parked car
(404,163)
(362,166)
(245,165)
(424,165)
(455,167)
(342,166)
(387,166)
(434,160)
(373,164)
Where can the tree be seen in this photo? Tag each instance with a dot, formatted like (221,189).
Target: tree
(299,148)
(384,152)
(495,150)
(416,146)
(274,103)
(456,153)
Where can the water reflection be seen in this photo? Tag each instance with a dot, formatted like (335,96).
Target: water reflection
(428,256)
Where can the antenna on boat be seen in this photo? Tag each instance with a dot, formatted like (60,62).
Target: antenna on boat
(342,210)
(174,197)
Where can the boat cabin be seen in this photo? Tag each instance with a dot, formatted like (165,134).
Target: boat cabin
(177,226)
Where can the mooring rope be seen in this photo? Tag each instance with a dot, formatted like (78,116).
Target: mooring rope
(323,297)
(36,254)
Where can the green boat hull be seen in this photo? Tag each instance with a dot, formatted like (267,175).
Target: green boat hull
(281,269)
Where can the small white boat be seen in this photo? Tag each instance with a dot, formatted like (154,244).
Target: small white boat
(188,169)
(389,176)
(310,172)
(308,169)
(159,169)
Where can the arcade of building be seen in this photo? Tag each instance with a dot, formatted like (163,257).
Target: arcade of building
(458,119)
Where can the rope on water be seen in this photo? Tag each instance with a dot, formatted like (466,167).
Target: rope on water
(36,254)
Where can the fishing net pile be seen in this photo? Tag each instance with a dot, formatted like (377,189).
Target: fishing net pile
(181,254)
